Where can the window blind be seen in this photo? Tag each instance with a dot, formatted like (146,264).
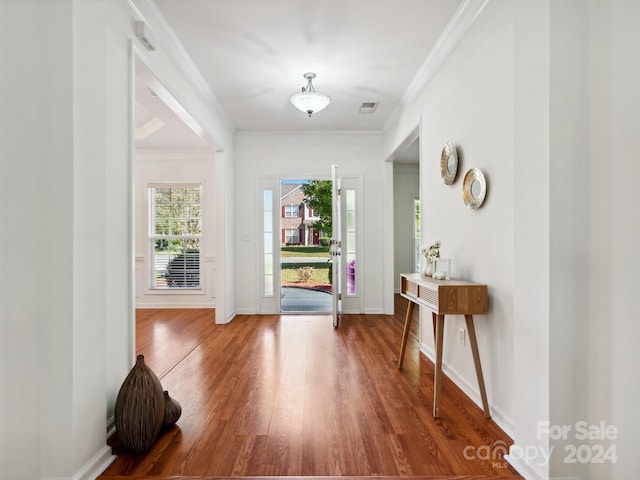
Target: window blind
(175,231)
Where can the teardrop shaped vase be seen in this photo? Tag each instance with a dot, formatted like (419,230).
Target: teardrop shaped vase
(172,411)
(139,409)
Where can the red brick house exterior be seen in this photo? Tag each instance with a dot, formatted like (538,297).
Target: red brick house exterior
(296,218)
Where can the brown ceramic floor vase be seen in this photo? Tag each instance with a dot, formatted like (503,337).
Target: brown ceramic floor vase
(172,411)
(139,410)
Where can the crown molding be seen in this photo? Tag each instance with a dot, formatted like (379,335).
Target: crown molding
(460,23)
(149,12)
(456,29)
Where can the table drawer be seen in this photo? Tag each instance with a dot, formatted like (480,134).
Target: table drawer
(408,287)
(428,295)
(445,296)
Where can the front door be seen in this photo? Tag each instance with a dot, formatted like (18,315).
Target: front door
(345,251)
(336,247)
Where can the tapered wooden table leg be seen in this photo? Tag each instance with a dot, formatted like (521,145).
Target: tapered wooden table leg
(476,361)
(405,334)
(452,297)
(433,320)
(437,383)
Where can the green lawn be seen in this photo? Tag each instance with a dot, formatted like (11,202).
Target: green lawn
(303,251)
(320,272)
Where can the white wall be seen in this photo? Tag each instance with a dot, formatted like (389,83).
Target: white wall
(531,230)
(66,324)
(592,73)
(541,95)
(225,220)
(53,408)
(32,278)
(474,102)
(569,172)
(306,156)
(470,103)
(614,247)
(152,167)
(406,187)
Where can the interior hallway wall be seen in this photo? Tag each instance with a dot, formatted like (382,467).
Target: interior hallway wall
(551,86)
(470,102)
(67,334)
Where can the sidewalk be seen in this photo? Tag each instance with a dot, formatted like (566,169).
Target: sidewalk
(308,260)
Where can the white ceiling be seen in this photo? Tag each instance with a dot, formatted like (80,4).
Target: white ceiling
(253,54)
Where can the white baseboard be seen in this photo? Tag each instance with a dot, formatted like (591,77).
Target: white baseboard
(93,468)
(141,305)
(525,469)
(374,311)
(111,426)
(230,316)
(96,465)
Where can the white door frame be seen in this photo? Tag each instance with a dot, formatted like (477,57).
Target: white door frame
(270,303)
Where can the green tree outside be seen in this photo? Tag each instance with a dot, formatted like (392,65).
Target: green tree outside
(318,197)
(177,211)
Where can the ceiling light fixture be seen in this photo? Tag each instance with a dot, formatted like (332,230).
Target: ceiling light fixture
(309,101)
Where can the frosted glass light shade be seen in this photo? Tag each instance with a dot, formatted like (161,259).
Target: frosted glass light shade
(310,102)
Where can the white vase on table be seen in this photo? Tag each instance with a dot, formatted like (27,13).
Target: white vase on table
(427,269)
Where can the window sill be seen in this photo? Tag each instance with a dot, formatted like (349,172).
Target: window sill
(175,291)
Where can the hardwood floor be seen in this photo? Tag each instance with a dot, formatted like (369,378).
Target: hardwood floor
(291,396)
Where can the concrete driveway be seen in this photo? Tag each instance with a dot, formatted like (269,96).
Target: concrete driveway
(295,299)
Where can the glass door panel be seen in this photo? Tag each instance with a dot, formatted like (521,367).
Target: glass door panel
(336,246)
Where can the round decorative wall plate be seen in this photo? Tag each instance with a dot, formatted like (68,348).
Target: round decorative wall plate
(474,188)
(449,163)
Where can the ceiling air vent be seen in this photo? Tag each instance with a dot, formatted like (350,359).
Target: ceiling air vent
(368,107)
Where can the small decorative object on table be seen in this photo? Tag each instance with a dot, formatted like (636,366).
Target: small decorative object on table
(441,269)
(427,269)
(430,253)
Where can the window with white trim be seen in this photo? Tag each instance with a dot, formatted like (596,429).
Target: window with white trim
(349,242)
(292,235)
(175,231)
(291,210)
(267,235)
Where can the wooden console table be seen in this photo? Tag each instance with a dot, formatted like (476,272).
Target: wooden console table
(445,297)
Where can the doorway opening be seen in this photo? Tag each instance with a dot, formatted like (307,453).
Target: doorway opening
(172,211)
(305,236)
(406,209)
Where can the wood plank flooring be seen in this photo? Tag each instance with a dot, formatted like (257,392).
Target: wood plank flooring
(291,396)
(422,477)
